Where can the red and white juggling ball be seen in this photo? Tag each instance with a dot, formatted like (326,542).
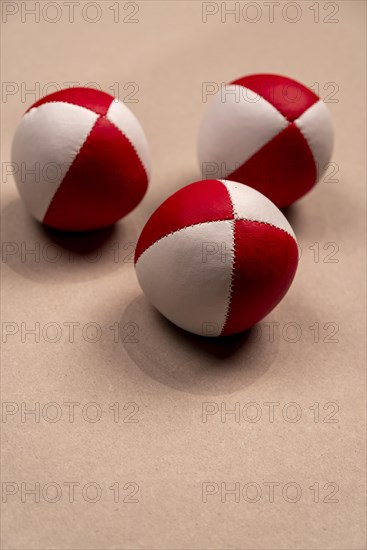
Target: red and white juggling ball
(267,131)
(81,160)
(216,257)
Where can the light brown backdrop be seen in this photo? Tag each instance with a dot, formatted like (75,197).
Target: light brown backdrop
(159,450)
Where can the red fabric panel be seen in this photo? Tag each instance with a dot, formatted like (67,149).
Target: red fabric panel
(199,202)
(283,170)
(105,182)
(289,97)
(91,99)
(265,263)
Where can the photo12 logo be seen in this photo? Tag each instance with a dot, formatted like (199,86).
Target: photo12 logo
(229,93)
(69,412)
(53,492)
(39,252)
(69,332)
(30,92)
(270,411)
(291,332)
(70,12)
(326,253)
(269,491)
(270,12)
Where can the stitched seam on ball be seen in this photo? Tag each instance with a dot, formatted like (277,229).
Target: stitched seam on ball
(307,138)
(275,227)
(131,143)
(280,115)
(215,221)
(285,117)
(65,103)
(264,145)
(267,223)
(271,225)
(230,290)
(177,231)
(258,220)
(68,170)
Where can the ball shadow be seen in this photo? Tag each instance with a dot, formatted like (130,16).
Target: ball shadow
(42,254)
(292,215)
(191,363)
(305,220)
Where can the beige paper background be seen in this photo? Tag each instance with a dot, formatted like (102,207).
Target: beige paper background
(161,443)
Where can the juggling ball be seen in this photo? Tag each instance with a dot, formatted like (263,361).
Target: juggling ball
(216,257)
(81,160)
(267,131)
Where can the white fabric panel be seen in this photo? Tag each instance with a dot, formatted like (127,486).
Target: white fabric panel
(249,204)
(317,127)
(234,128)
(187,275)
(128,124)
(50,135)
